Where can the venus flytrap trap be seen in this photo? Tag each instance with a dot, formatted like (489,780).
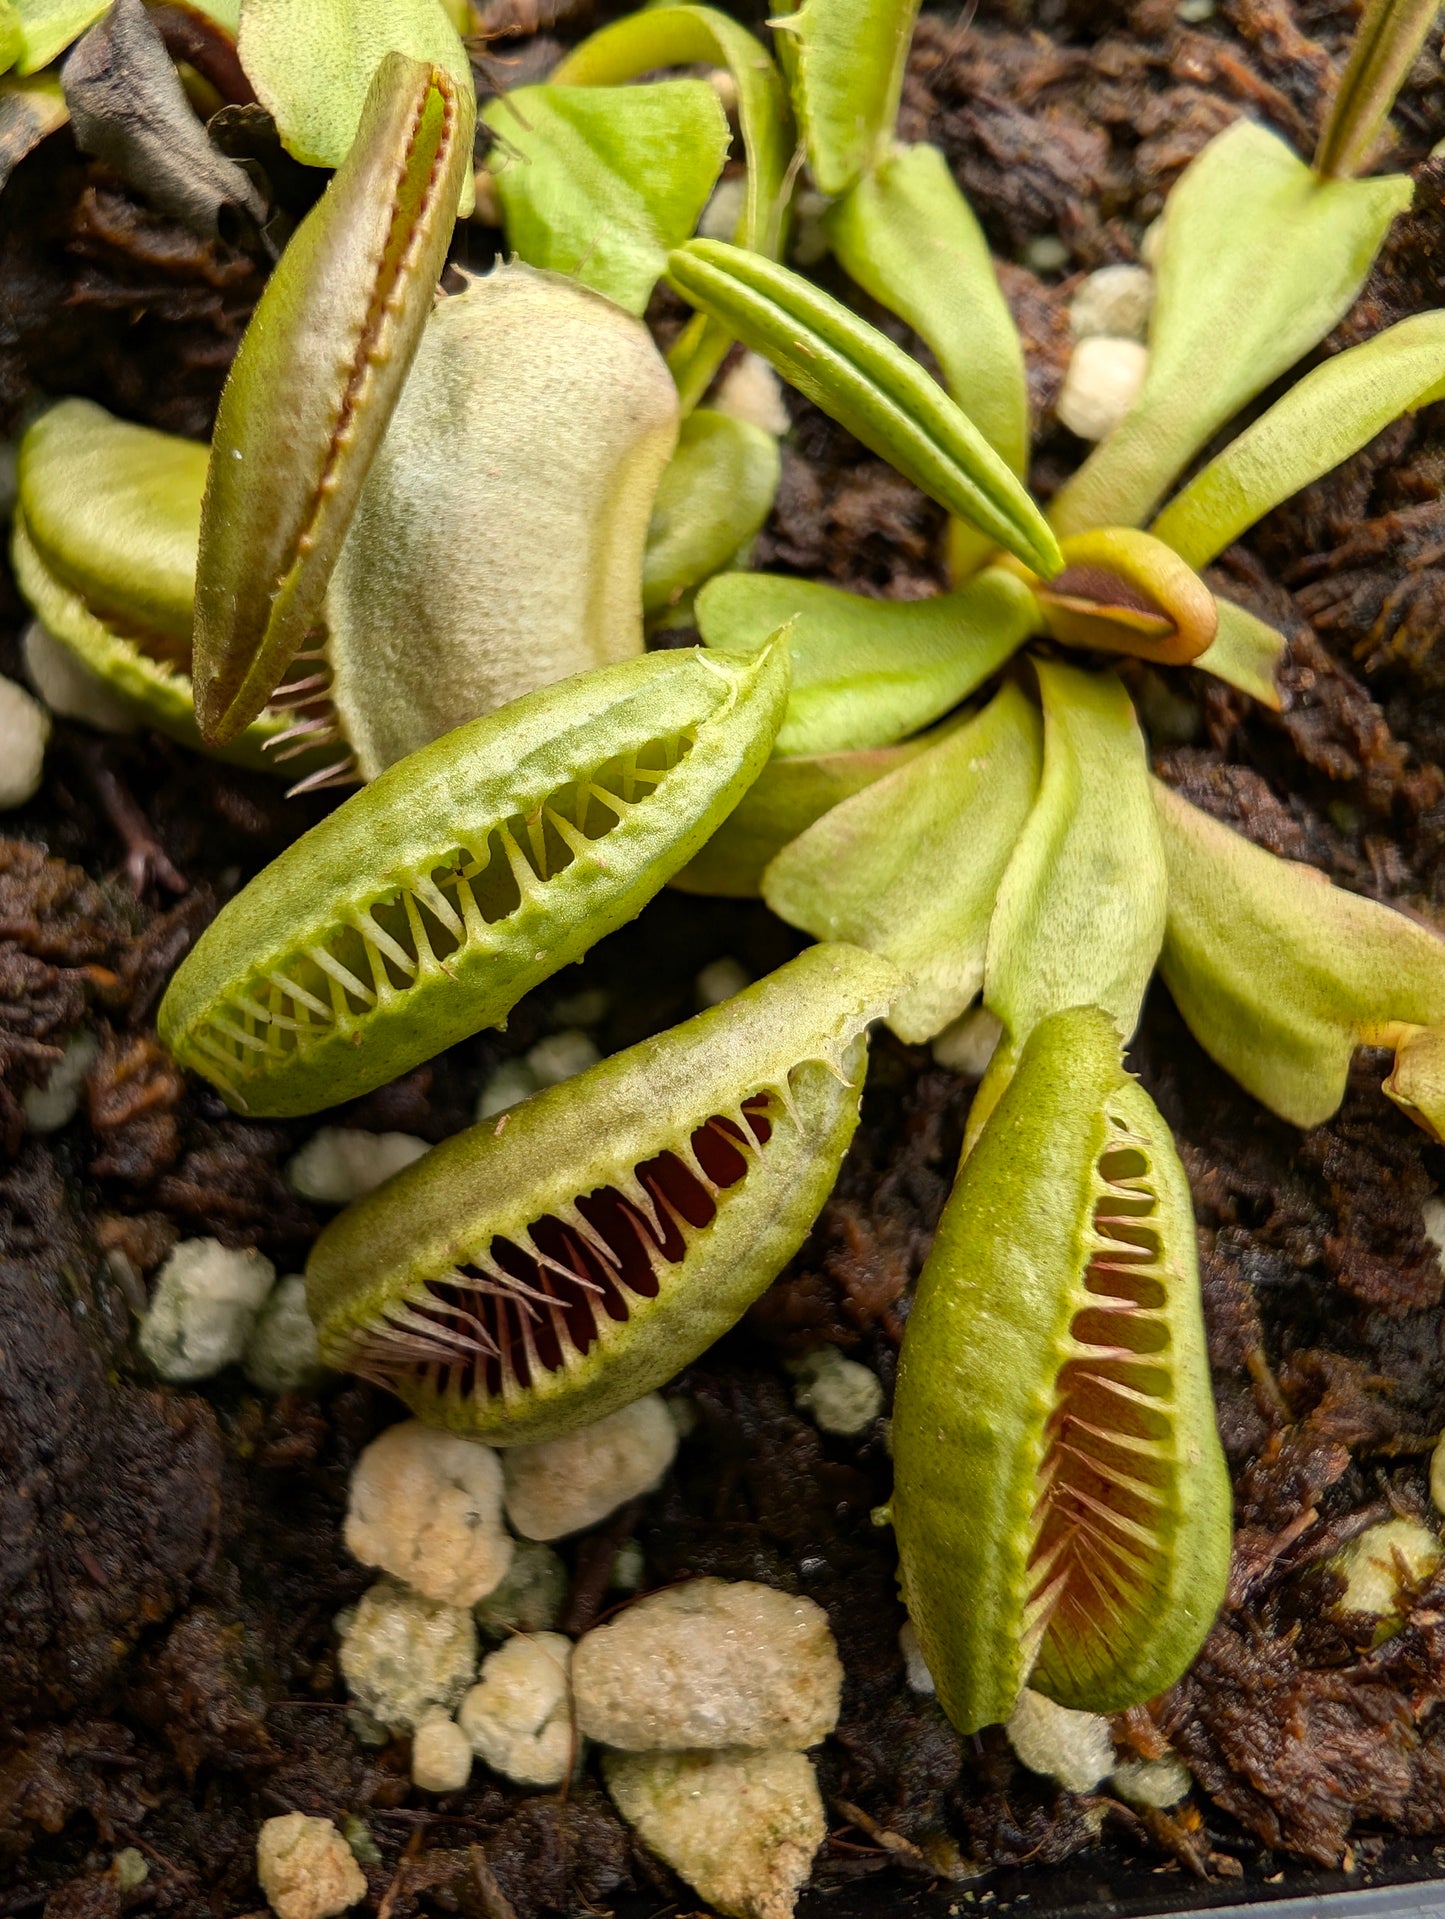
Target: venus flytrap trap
(1061,1500)
(428,904)
(538,1272)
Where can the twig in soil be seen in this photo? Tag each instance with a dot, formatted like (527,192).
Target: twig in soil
(146,860)
(492,1902)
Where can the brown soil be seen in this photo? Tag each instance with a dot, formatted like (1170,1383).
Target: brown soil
(170,1562)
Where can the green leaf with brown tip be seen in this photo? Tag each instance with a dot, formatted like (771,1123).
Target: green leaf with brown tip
(910,866)
(1279,975)
(1259,259)
(787,796)
(1323,419)
(319,371)
(1387,41)
(845,60)
(1080,911)
(426,906)
(1122,591)
(530,1276)
(870,386)
(1061,1500)
(113,511)
(713,497)
(908,237)
(497,546)
(656,37)
(868,672)
(601,182)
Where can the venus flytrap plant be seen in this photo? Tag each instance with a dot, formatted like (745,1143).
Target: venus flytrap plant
(1061,1500)
(429,903)
(538,1272)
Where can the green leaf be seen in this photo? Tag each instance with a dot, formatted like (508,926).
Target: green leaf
(498,540)
(1080,912)
(786,797)
(869,672)
(663,36)
(1387,41)
(47,28)
(870,386)
(846,59)
(715,493)
(12,38)
(311,65)
(1323,419)
(910,866)
(1260,258)
(1123,591)
(1246,653)
(601,182)
(908,237)
(1280,975)
(320,368)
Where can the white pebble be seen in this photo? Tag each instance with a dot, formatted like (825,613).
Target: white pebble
(1151,245)
(512,1082)
(342,1163)
(1151,1782)
(719,980)
(54,1104)
(1073,1747)
(562,1056)
(530,1598)
(24,730)
(203,1308)
(1432,1218)
(402,1654)
(1376,1565)
(306,1868)
(629,1568)
(441,1759)
(1102,383)
(721,214)
(588,1007)
(1113,303)
(808,240)
(1046,254)
(518,1717)
(839,1394)
(752,392)
(426,1506)
(920,1679)
(131,1868)
(740,1827)
(69,687)
(710,1664)
(970,1043)
(282,1355)
(565,1485)
(1194,13)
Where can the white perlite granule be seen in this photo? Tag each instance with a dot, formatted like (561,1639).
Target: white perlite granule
(1376,1565)
(920,1679)
(54,1104)
(839,1394)
(518,1717)
(969,1043)
(723,211)
(530,1598)
(1101,384)
(1113,303)
(68,687)
(562,1056)
(1151,1782)
(512,1082)
(740,1827)
(203,1308)
(1073,1747)
(565,1485)
(306,1868)
(341,1163)
(441,1759)
(1432,1218)
(24,730)
(710,1664)
(426,1506)
(752,392)
(402,1654)
(282,1355)
(719,980)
